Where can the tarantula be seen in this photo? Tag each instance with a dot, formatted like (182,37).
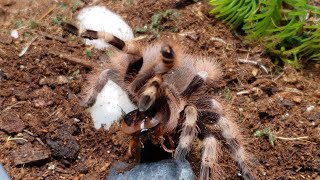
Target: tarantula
(168,87)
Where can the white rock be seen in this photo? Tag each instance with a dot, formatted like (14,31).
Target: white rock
(310,108)
(112,100)
(14,33)
(99,18)
(110,104)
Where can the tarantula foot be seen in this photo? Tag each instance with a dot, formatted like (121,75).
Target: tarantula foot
(247,176)
(88,103)
(109,38)
(89,34)
(70,28)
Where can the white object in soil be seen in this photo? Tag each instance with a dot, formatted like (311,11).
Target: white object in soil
(14,33)
(111,102)
(100,18)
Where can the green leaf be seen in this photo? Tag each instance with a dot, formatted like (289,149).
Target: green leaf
(266,132)
(289,29)
(88,52)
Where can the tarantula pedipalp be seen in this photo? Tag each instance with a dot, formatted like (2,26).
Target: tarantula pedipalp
(167,86)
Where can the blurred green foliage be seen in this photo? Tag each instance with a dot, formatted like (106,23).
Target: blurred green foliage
(288,29)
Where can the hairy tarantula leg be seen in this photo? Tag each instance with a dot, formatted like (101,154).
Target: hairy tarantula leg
(189,132)
(109,38)
(234,141)
(98,86)
(229,131)
(168,59)
(197,81)
(210,151)
(129,47)
(209,159)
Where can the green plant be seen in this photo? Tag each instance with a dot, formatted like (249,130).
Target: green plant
(19,23)
(157,19)
(76,5)
(289,29)
(56,20)
(88,52)
(266,132)
(33,24)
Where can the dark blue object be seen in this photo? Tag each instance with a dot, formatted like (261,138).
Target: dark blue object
(162,170)
(3,173)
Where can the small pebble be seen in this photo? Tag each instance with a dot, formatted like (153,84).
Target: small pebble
(76,120)
(15,34)
(310,108)
(28,155)
(297,99)
(52,167)
(290,78)
(11,123)
(62,80)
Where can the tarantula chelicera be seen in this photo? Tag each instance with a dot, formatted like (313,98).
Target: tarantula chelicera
(168,87)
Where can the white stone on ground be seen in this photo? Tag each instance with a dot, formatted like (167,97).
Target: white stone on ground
(14,33)
(110,104)
(112,100)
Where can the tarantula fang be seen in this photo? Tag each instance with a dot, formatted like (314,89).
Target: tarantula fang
(168,87)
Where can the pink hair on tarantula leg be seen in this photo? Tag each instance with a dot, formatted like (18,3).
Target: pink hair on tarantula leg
(234,139)
(209,160)
(188,134)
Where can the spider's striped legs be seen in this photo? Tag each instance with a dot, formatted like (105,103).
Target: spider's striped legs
(209,159)
(228,130)
(99,83)
(130,47)
(188,134)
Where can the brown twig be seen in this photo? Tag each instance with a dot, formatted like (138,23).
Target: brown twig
(73,60)
(48,12)
(25,49)
(292,139)
(40,141)
(13,105)
(15,138)
(257,63)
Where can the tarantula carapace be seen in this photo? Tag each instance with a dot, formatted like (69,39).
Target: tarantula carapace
(168,87)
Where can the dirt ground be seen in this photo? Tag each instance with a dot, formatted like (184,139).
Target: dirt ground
(46,134)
